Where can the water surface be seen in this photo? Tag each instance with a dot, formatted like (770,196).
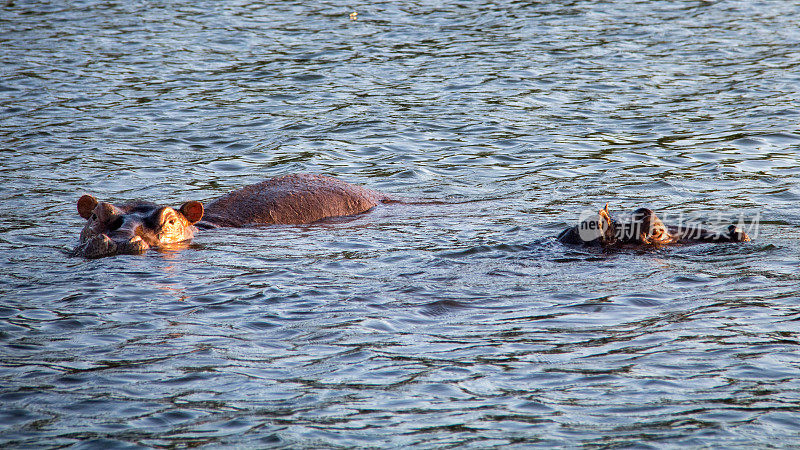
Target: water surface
(431,325)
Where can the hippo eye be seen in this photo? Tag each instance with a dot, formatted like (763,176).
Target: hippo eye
(171,221)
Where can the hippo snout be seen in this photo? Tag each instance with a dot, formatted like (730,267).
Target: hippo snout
(101,245)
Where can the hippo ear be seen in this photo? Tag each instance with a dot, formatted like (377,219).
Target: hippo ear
(86,205)
(192,210)
(604,214)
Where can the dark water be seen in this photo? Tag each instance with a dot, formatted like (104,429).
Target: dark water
(429,325)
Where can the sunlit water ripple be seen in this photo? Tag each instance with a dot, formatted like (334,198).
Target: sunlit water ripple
(416,324)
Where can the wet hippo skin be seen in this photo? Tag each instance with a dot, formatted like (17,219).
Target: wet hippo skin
(643,228)
(134,227)
(291,199)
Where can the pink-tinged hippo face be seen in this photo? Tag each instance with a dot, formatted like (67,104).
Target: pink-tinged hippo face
(133,227)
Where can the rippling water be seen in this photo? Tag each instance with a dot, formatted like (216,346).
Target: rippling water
(430,325)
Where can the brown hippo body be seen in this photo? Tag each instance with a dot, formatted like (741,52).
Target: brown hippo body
(643,228)
(134,227)
(291,199)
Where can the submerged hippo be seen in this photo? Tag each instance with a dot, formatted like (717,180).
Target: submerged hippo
(643,228)
(134,227)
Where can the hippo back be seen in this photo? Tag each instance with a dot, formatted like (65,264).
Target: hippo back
(290,199)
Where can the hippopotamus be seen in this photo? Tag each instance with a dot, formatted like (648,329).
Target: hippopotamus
(134,227)
(643,228)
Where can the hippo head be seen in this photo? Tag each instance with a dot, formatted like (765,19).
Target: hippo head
(642,228)
(133,227)
(645,227)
